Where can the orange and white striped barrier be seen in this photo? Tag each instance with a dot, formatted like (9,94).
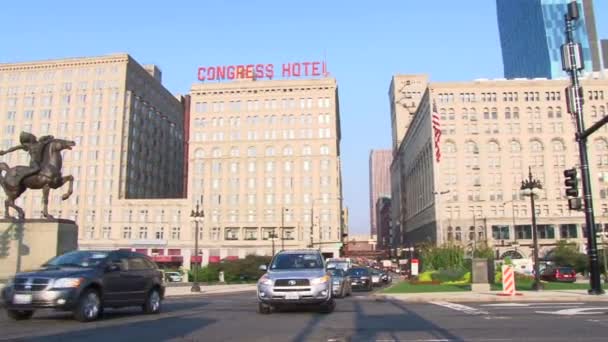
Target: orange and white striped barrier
(508,281)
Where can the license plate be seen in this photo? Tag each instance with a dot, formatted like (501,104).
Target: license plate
(354,283)
(22,299)
(292,296)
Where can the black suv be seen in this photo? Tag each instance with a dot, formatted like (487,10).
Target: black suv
(85,282)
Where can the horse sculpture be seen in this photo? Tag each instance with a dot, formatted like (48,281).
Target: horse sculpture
(49,177)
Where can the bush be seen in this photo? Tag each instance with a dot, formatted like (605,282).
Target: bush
(425,276)
(448,256)
(446,275)
(241,270)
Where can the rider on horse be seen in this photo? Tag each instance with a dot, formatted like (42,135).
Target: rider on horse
(34,147)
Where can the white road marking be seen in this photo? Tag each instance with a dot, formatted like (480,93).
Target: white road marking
(576,311)
(459,307)
(530,304)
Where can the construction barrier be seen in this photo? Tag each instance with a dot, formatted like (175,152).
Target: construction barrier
(508,281)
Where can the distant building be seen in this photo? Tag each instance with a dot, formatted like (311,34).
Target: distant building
(492,132)
(532,32)
(604,44)
(379,181)
(385,237)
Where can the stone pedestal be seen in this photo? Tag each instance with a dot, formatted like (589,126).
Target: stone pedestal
(482,273)
(25,245)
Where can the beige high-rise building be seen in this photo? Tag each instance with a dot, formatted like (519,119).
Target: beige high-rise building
(493,131)
(264,158)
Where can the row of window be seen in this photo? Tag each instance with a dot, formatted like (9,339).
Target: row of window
(287,134)
(513,96)
(51,74)
(255,105)
(269,120)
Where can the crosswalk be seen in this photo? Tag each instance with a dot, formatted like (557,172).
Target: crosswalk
(517,308)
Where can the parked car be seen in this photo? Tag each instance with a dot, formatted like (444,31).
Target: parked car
(360,277)
(340,283)
(295,277)
(86,282)
(563,274)
(173,277)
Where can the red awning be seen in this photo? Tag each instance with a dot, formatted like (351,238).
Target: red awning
(174,251)
(167,258)
(141,250)
(232,257)
(196,259)
(214,259)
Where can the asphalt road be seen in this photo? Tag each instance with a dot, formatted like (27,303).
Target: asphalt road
(233,317)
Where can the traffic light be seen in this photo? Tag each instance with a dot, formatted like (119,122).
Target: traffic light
(571,182)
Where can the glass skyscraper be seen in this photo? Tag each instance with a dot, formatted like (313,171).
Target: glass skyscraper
(532,32)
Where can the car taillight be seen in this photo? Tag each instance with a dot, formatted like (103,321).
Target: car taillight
(557,274)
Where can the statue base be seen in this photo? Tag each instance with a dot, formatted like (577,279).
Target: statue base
(27,244)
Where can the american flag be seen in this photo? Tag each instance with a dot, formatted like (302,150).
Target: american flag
(436,132)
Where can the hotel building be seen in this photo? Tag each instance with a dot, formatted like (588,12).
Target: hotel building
(262,155)
(493,131)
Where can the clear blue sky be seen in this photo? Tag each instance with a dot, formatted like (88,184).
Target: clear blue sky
(364,43)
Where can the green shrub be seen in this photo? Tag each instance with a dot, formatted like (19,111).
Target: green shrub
(466,278)
(426,276)
(446,275)
(241,270)
(448,256)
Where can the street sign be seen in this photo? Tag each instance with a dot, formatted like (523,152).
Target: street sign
(414,267)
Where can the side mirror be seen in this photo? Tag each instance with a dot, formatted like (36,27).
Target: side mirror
(113,268)
(263,268)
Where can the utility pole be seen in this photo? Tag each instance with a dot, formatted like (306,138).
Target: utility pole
(572,62)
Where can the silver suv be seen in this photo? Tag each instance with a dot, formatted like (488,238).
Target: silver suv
(295,277)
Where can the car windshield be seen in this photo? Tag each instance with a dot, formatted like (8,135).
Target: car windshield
(78,259)
(565,270)
(335,272)
(340,265)
(358,272)
(297,261)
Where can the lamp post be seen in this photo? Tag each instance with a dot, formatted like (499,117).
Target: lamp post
(312,212)
(283,210)
(438,210)
(512,213)
(528,186)
(197,216)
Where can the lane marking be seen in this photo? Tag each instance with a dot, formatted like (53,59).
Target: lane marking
(531,304)
(577,311)
(459,307)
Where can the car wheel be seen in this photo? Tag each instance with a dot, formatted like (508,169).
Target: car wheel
(328,307)
(20,315)
(88,307)
(153,302)
(264,308)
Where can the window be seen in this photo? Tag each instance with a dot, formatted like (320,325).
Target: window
(175,233)
(500,232)
(106,232)
(567,231)
(546,231)
(126,232)
(523,231)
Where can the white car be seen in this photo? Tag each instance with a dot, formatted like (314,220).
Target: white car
(173,276)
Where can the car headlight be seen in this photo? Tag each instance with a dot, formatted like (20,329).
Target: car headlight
(336,282)
(318,281)
(67,282)
(265,280)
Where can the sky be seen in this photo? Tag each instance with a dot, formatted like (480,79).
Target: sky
(364,43)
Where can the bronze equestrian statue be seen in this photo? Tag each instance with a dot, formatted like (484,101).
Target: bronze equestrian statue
(43,173)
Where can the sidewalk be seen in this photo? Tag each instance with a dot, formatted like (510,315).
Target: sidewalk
(184,290)
(493,296)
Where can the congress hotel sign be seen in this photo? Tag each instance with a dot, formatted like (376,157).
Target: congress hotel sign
(257,71)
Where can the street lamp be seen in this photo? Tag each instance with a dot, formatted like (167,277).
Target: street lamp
(197,216)
(283,210)
(528,186)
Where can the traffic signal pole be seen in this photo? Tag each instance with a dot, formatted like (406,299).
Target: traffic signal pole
(573,63)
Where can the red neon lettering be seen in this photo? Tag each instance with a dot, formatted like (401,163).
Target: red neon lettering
(315,69)
(259,71)
(249,71)
(201,74)
(286,70)
(306,65)
(240,71)
(221,72)
(269,71)
(230,72)
(296,70)
(211,74)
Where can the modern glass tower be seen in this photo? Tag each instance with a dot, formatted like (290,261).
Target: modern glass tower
(532,32)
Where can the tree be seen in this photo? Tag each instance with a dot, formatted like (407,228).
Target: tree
(567,254)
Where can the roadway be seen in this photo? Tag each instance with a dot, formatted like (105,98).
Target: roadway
(233,317)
